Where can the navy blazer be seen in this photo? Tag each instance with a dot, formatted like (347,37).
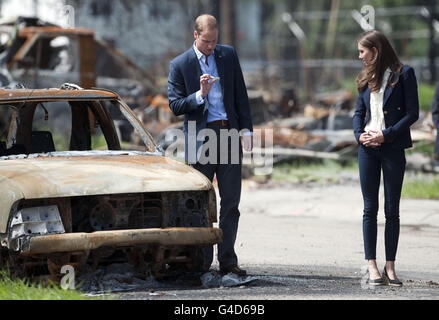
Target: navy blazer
(400,108)
(184,82)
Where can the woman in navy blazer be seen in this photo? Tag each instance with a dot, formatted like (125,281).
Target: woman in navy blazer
(387,106)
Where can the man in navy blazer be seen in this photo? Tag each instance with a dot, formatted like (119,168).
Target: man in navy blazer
(206,85)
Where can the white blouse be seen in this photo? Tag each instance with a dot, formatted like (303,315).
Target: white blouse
(376,121)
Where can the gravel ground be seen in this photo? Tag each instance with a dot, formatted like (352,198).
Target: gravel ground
(305,242)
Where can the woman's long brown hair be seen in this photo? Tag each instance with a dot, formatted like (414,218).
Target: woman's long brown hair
(373,73)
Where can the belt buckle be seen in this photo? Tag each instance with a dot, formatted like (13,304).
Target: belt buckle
(224,123)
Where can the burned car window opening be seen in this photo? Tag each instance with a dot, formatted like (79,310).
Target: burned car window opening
(59,126)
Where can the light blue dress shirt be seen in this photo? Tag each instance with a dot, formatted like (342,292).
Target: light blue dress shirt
(216,110)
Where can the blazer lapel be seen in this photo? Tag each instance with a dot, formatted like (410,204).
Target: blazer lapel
(195,65)
(367,98)
(389,89)
(220,67)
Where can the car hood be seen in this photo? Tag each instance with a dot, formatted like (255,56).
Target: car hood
(69,176)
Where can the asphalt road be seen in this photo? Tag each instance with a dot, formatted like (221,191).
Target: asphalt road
(305,242)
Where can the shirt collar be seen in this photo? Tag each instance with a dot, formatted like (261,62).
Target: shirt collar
(199,53)
(385,79)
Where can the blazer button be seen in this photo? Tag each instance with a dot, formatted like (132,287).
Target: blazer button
(398,108)
(385,112)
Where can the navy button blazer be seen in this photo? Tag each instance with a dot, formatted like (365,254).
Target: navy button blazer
(400,108)
(184,82)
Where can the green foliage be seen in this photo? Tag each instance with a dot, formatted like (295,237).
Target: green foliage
(98,142)
(61,142)
(327,171)
(350,84)
(426,93)
(340,40)
(421,187)
(19,289)
(424,147)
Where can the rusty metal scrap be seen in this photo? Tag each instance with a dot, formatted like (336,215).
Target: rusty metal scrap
(31,58)
(91,176)
(86,44)
(286,137)
(340,98)
(21,95)
(72,242)
(48,30)
(110,205)
(130,69)
(164,113)
(160,101)
(315,112)
(292,138)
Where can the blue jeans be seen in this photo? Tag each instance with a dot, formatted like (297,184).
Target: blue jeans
(392,162)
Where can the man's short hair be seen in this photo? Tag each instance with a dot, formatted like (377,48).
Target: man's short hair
(205,22)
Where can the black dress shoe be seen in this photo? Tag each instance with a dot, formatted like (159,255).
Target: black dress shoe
(234,269)
(390,282)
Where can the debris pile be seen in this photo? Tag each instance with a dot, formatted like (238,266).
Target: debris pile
(122,277)
(321,130)
(116,277)
(42,55)
(213,279)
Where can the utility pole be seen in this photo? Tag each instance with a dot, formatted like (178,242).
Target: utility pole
(432,51)
(227,22)
(297,31)
(35,8)
(332,28)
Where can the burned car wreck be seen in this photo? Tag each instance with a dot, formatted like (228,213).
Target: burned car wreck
(75,193)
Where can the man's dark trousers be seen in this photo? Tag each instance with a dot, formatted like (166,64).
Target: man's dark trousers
(229,185)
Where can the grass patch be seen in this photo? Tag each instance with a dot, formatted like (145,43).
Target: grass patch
(21,289)
(421,186)
(98,142)
(426,94)
(424,147)
(327,171)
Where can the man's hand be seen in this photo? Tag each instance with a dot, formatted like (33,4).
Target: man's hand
(248,142)
(206,83)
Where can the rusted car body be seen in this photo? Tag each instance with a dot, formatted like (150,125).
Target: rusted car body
(95,199)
